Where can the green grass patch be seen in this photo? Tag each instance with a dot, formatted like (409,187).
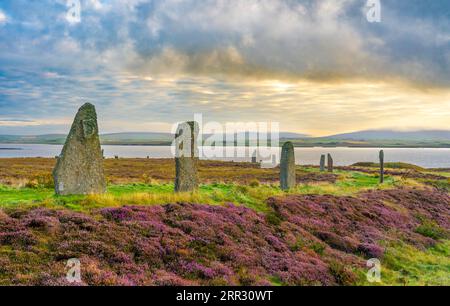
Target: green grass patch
(16,196)
(253,196)
(405,265)
(431,229)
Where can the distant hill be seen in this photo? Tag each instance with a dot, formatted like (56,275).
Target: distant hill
(130,138)
(434,135)
(136,138)
(36,139)
(371,138)
(381,138)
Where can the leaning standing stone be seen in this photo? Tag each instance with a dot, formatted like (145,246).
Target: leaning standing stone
(322,163)
(186,157)
(330,163)
(287,166)
(79,168)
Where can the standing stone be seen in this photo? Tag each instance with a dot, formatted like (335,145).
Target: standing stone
(287,167)
(330,163)
(186,157)
(381,167)
(79,168)
(254,157)
(322,163)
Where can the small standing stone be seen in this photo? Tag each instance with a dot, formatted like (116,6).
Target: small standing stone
(254,157)
(322,163)
(330,163)
(186,157)
(287,166)
(79,168)
(381,167)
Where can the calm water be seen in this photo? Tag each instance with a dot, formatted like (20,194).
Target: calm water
(429,158)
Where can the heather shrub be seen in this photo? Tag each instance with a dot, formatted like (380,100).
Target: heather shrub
(302,240)
(18,238)
(335,241)
(371,250)
(343,274)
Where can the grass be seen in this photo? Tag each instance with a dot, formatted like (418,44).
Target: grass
(405,265)
(252,195)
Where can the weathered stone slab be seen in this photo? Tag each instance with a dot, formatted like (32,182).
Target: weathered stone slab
(381,167)
(287,167)
(322,163)
(330,163)
(186,157)
(79,168)
(255,157)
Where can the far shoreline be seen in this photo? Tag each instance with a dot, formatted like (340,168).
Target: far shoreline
(166,144)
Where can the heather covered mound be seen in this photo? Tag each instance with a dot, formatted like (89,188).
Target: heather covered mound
(302,240)
(366,223)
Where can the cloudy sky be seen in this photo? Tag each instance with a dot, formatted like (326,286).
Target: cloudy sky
(316,66)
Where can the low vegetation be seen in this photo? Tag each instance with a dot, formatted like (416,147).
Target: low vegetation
(238,229)
(394,165)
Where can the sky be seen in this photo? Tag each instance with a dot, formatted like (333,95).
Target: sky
(317,67)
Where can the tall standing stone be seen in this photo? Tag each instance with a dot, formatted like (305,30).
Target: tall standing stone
(287,166)
(79,168)
(322,163)
(330,163)
(186,157)
(381,167)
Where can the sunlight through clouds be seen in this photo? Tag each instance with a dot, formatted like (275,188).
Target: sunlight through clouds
(317,66)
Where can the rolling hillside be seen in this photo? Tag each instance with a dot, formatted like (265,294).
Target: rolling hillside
(371,138)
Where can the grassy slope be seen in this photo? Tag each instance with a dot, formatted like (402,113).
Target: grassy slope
(403,264)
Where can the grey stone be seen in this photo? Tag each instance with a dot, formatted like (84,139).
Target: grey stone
(79,168)
(186,157)
(330,163)
(287,166)
(322,163)
(381,167)
(254,157)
